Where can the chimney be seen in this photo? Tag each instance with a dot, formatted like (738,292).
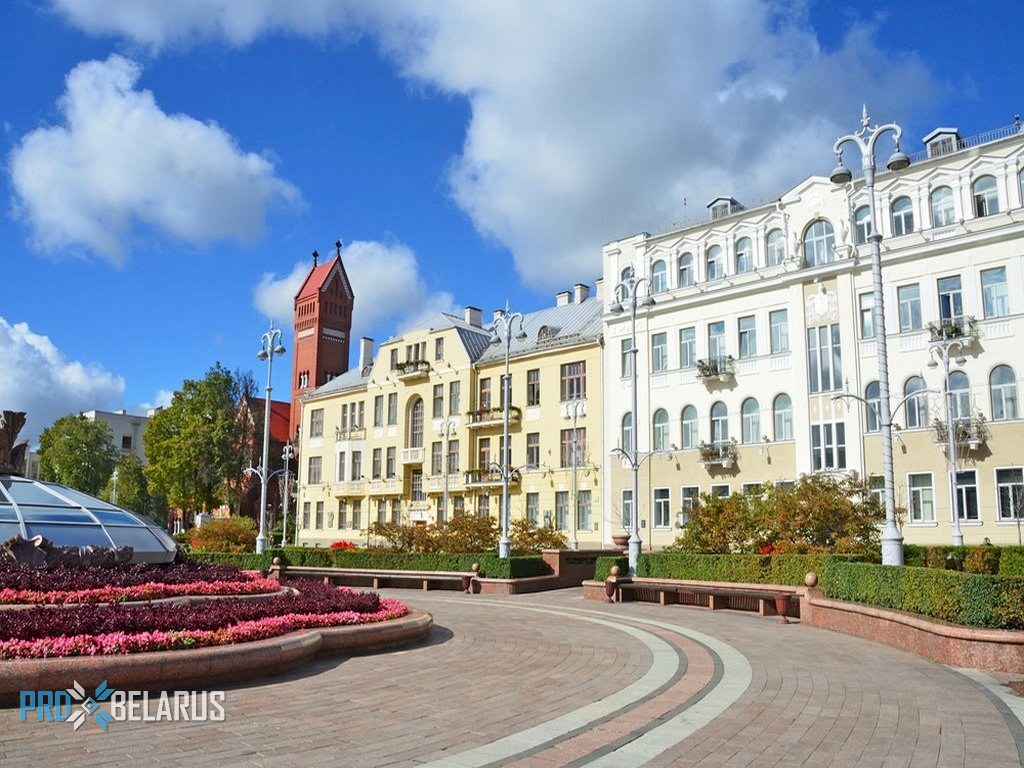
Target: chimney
(563,298)
(496,314)
(473,317)
(365,353)
(580,292)
(599,289)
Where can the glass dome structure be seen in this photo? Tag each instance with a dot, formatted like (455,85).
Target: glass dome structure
(71,518)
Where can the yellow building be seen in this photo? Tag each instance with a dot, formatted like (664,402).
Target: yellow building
(414,434)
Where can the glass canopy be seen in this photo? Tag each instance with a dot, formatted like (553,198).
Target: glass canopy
(71,518)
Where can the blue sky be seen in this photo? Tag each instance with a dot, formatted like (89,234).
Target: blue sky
(169,167)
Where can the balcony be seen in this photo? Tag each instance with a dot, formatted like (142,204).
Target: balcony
(716,369)
(964,329)
(970,433)
(390,486)
(412,456)
(411,370)
(486,478)
(354,433)
(348,488)
(435,483)
(492,416)
(721,453)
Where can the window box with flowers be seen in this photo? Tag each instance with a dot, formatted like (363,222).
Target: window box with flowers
(970,432)
(963,328)
(721,453)
(720,368)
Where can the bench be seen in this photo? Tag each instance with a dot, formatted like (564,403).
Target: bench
(376,578)
(767,602)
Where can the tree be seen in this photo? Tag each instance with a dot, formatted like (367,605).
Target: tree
(133,489)
(78,453)
(193,446)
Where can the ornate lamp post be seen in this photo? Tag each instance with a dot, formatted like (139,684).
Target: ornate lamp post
(270,346)
(507,319)
(446,433)
(942,349)
(864,140)
(627,291)
(287,454)
(575,409)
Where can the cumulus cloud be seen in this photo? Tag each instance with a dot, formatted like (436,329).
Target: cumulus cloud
(389,289)
(119,161)
(37,379)
(591,121)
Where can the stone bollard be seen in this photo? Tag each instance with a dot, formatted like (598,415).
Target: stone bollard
(467,581)
(610,583)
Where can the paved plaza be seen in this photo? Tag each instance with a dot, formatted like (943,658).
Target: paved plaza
(553,680)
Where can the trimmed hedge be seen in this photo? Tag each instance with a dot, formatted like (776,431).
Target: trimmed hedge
(976,600)
(248,561)
(603,566)
(750,569)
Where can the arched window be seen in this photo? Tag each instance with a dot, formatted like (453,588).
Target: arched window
(943,211)
(902,216)
(776,247)
(716,269)
(783,413)
(661,430)
(861,225)
(625,276)
(744,255)
(627,433)
(873,404)
(751,420)
(1003,386)
(685,270)
(819,243)
(719,422)
(986,196)
(916,404)
(416,424)
(689,421)
(960,396)
(659,277)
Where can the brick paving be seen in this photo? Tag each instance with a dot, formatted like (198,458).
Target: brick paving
(552,680)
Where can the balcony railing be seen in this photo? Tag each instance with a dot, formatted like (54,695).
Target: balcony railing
(970,433)
(491,416)
(353,433)
(488,477)
(349,488)
(388,486)
(412,455)
(721,453)
(716,368)
(413,369)
(435,483)
(964,329)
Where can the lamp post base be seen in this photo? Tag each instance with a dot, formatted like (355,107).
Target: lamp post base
(504,548)
(634,553)
(892,545)
(261,544)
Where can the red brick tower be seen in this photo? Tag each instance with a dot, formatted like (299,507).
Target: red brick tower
(323,325)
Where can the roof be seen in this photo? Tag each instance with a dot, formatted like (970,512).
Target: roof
(320,276)
(550,328)
(280,413)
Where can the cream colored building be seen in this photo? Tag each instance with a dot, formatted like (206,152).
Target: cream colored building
(762,320)
(423,422)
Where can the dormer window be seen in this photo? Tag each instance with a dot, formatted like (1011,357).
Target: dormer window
(723,206)
(942,141)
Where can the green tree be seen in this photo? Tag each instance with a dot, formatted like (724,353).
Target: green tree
(133,489)
(77,452)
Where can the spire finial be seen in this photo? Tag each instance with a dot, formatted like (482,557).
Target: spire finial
(315,257)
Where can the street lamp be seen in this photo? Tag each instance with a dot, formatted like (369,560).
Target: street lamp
(864,139)
(943,348)
(270,346)
(575,408)
(627,289)
(287,454)
(113,498)
(446,433)
(507,320)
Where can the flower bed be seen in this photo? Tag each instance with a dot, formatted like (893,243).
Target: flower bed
(82,630)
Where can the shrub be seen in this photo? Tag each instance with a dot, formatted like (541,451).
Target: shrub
(342,544)
(526,537)
(603,567)
(463,533)
(1011,561)
(225,534)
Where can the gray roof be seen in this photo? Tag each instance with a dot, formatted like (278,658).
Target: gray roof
(572,323)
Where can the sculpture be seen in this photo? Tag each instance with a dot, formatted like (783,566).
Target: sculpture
(40,552)
(12,454)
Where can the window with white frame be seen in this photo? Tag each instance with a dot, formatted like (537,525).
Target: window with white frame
(687,347)
(909,299)
(533,449)
(1010,493)
(660,433)
(626,509)
(819,243)
(902,216)
(483,505)
(659,277)
(319,515)
(747,330)
(584,519)
(484,390)
(454,397)
(378,411)
(721,490)
(751,413)
(627,433)
(1003,388)
(316,422)
(340,468)
(778,323)
(686,270)
(719,423)
(716,340)
(533,508)
(776,247)
(689,497)
(861,224)
(951,299)
(922,498)
(662,507)
(659,352)
(342,513)
(357,514)
(313,472)
(305,515)
(574,381)
(986,196)
(824,359)
(943,210)
(689,422)
(574,441)
(915,403)
(357,465)
(782,411)
(626,358)
(967,495)
(828,446)
(744,255)
(959,396)
(438,401)
(715,263)
(533,386)
(393,408)
(453,456)
(867,320)
(561,510)
(872,406)
(436,457)
(995,298)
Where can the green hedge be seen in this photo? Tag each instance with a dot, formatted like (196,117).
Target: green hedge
(976,600)
(246,561)
(603,566)
(749,569)
(1011,561)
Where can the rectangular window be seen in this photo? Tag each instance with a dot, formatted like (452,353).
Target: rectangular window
(562,510)
(626,521)
(1010,493)
(967,495)
(533,387)
(995,299)
(392,408)
(483,454)
(583,514)
(396,506)
(357,465)
(340,473)
(824,359)
(438,401)
(305,515)
(951,300)
(689,496)
(376,463)
(687,347)
(909,298)
(483,506)
(721,491)
(533,449)
(716,340)
(627,358)
(394,359)
(747,329)
(454,398)
(659,352)
(344,416)
(357,514)
(382,511)
(360,420)
(867,320)
(485,393)
(316,422)
(567,446)
(922,498)
(378,411)
(662,508)
(574,381)
(436,457)
(828,446)
(319,515)
(533,508)
(126,442)
(343,513)
(390,461)
(439,349)
(416,487)
(778,321)
(313,477)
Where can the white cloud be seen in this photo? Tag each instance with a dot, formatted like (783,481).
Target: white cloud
(389,290)
(37,379)
(162,399)
(119,161)
(591,121)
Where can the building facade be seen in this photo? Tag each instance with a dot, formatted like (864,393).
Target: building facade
(415,434)
(126,429)
(757,362)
